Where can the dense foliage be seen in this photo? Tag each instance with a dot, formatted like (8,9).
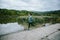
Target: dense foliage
(13,16)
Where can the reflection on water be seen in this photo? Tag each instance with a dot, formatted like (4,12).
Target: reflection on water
(10,27)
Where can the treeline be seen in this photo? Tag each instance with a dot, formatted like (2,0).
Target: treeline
(25,12)
(7,16)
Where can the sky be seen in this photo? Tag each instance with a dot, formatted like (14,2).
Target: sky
(31,5)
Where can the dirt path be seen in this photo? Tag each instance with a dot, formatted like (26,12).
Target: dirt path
(35,34)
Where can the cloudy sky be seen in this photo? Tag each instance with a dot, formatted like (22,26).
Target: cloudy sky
(32,5)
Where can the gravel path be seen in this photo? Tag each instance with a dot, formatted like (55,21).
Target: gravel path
(35,34)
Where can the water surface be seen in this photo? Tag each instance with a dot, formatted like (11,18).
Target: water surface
(10,27)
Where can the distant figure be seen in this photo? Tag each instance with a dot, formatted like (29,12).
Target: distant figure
(30,20)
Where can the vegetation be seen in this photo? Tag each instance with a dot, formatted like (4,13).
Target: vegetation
(7,16)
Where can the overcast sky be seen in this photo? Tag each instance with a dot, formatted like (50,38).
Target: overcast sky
(32,5)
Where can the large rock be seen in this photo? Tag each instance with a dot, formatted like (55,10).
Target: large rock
(44,33)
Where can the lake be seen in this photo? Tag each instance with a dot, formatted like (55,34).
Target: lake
(10,27)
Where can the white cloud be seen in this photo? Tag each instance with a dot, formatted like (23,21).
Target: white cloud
(35,5)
